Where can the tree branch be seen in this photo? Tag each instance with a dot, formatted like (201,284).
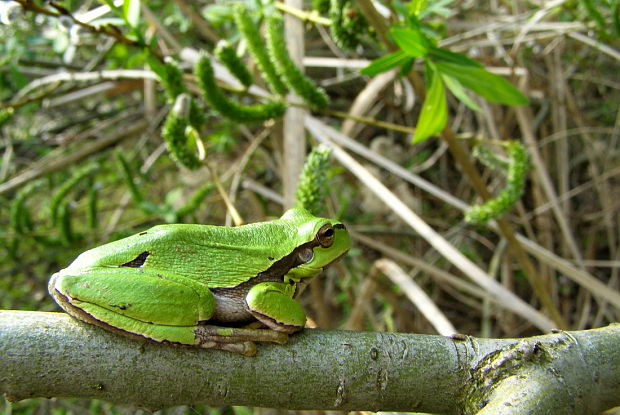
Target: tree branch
(108,30)
(51,354)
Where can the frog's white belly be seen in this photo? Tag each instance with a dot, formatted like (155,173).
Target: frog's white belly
(230,306)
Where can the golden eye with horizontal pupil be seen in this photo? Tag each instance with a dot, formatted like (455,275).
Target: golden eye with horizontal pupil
(305,255)
(325,236)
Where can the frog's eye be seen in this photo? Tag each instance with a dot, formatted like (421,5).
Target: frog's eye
(305,255)
(325,236)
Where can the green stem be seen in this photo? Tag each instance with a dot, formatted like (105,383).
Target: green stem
(305,16)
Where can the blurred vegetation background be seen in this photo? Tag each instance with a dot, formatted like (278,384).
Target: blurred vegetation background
(87,88)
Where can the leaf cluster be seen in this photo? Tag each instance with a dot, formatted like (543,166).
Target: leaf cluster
(444,68)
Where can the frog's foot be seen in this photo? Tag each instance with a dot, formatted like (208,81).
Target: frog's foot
(244,348)
(238,340)
(255,325)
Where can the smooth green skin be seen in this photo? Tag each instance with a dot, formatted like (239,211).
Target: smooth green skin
(164,284)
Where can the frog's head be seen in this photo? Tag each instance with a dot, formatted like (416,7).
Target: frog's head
(320,242)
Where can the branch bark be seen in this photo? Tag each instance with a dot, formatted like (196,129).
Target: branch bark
(51,354)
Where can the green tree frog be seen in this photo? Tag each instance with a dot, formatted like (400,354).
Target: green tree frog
(201,285)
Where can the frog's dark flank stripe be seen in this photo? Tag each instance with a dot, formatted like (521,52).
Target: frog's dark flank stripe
(138,261)
(296,258)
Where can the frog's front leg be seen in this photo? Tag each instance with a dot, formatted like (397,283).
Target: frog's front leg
(272,304)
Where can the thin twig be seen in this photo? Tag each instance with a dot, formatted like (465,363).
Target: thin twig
(197,21)
(108,30)
(107,74)
(300,14)
(417,296)
(581,277)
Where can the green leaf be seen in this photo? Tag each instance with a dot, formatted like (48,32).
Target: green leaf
(445,55)
(417,7)
(437,7)
(406,67)
(109,3)
(385,63)
(131,12)
(484,83)
(594,14)
(411,41)
(217,14)
(457,89)
(156,66)
(434,114)
(615,17)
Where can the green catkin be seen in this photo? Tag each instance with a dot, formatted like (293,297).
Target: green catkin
(91,212)
(256,46)
(197,115)
(232,110)
(170,76)
(172,80)
(294,78)
(16,212)
(128,174)
(515,183)
(490,158)
(194,202)
(227,55)
(615,17)
(25,219)
(5,115)
(347,23)
(66,230)
(312,187)
(321,6)
(62,192)
(19,216)
(174,133)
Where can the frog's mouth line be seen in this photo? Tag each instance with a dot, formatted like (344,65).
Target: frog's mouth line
(335,259)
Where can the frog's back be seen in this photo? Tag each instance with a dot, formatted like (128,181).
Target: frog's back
(219,256)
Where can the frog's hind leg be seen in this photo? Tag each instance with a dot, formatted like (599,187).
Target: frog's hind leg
(184,335)
(153,306)
(150,297)
(100,316)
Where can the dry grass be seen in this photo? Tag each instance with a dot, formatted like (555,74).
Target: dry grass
(403,203)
